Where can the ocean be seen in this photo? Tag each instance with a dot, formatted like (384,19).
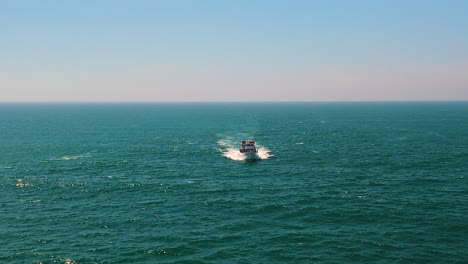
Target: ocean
(164,183)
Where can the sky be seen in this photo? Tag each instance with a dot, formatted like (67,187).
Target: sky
(233,50)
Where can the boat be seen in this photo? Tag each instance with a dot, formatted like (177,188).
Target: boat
(249,150)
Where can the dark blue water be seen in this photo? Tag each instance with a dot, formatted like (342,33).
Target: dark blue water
(163,183)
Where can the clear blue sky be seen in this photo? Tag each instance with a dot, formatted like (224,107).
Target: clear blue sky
(243,50)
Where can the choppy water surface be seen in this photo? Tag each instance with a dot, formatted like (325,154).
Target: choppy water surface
(164,183)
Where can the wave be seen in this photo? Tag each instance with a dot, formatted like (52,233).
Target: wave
(231,152)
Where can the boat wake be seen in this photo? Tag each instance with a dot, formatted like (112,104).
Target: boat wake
(231,152)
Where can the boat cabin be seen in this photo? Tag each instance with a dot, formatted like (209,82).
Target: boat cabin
(248,146)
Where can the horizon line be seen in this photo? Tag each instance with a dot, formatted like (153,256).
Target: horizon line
(230,102)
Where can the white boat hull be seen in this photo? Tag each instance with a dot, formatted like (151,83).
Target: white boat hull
(251,156)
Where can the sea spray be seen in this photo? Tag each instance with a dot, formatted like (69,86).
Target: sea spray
(264,153)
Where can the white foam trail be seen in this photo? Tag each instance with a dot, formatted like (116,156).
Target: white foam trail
(223,143)
(86,155)
(233,153)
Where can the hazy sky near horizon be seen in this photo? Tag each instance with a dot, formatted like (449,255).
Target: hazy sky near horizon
(242,50)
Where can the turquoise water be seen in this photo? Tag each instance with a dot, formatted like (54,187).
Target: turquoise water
(163,183)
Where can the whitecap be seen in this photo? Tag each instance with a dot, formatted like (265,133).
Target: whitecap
(22,184)
(69,261)
(68,157)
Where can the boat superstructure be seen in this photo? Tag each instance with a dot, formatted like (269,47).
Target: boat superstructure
(248,149)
